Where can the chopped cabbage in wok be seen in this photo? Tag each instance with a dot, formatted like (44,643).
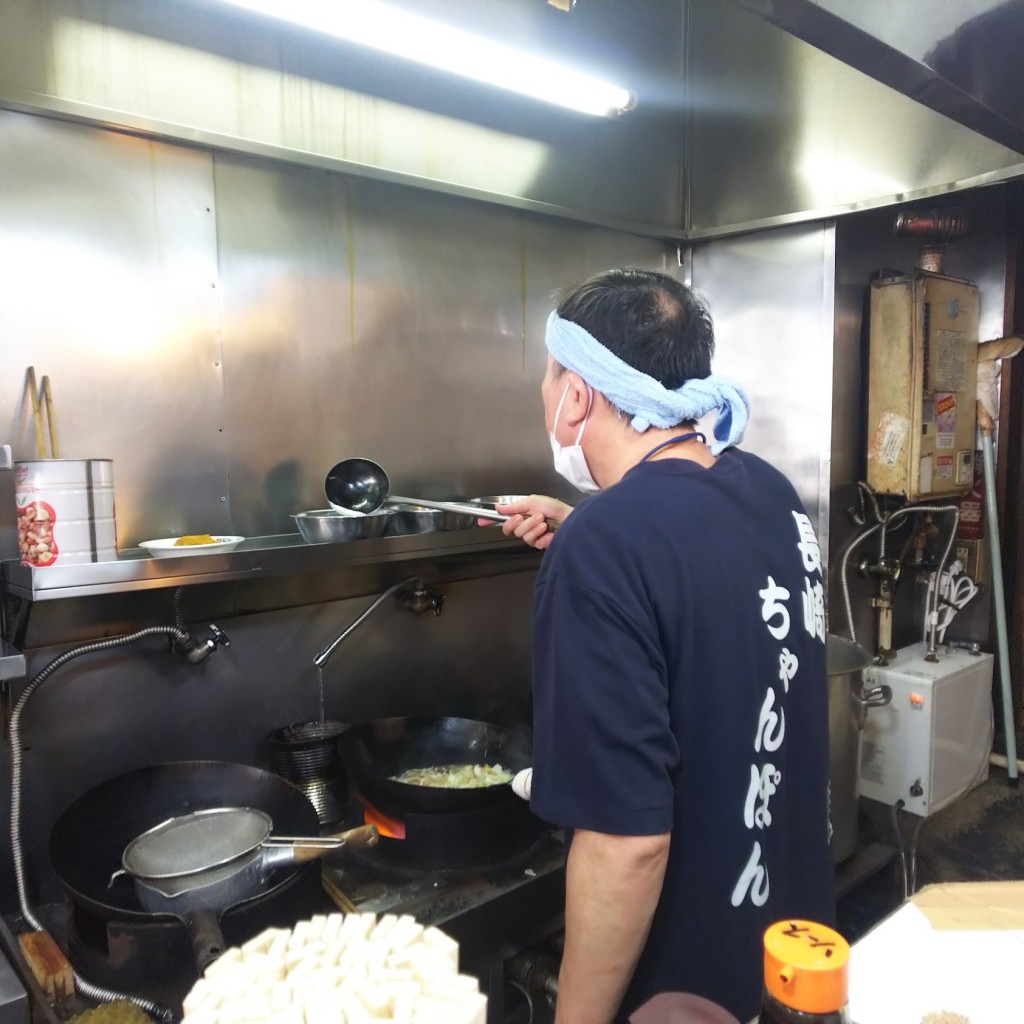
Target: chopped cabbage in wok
(456,776)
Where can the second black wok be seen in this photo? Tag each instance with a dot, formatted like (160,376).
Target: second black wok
(376,751)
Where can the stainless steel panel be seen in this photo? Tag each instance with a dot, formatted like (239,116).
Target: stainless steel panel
(790,131)
(961,59)
(770,296)
(196,72)
(365,319)
(109,263)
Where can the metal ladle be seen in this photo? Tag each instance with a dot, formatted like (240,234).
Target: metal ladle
(361,486)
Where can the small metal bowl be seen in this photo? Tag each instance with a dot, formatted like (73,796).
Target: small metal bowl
(490,500)
(325,526)
(410,519)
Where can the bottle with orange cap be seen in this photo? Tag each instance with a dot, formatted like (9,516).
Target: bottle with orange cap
(806,975)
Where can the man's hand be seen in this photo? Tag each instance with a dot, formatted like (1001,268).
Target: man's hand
(612,887)
(530,518)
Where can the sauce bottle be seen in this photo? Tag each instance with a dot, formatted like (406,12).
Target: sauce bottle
(806,975)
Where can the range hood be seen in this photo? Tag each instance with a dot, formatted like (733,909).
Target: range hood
(960,58)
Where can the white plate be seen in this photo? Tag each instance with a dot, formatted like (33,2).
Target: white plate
(166,546)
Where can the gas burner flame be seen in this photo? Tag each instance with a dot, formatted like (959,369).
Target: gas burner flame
(391,828)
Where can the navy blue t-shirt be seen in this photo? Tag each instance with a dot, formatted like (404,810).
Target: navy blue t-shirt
(679,686)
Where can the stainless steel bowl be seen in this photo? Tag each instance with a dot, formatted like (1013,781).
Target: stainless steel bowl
(410,519)
(325,526)
(490,500)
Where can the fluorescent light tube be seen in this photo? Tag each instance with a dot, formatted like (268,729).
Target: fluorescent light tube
(404,34)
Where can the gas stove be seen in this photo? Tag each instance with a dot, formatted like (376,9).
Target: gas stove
(506,915)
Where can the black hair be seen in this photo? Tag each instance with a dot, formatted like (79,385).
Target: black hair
(649,320)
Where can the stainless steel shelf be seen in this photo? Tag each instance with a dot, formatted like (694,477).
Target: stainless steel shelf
(280,555)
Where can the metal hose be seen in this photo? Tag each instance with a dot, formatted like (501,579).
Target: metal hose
(844,578)
(103,995)
(906,510)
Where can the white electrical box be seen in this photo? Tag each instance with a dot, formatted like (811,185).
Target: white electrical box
(932,742)
(922,385)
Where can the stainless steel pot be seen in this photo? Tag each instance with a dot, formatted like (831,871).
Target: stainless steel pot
(848,706)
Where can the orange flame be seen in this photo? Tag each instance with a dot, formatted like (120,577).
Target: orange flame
(389,827)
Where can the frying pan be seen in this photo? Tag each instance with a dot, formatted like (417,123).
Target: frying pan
(90,837)
(193,851)
(375,751)
(196,866)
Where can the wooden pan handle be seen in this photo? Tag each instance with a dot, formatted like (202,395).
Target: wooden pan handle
(354,839)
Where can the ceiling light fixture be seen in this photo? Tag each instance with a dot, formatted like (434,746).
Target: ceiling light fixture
(410,36)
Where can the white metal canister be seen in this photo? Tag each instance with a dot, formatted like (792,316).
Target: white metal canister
(65,511)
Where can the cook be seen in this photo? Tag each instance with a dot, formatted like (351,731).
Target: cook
(679,685)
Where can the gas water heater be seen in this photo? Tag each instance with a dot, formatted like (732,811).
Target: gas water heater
(922,385)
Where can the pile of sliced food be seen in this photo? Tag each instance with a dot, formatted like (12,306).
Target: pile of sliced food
(339,969)
(456,776)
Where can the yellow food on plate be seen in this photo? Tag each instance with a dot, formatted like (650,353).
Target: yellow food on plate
(195,538)
(456,776)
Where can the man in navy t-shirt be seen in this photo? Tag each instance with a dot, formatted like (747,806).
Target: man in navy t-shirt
(680,691)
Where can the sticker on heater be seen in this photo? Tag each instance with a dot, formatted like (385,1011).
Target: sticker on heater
(945,420)
(943,467)
(890,437)
(951,361)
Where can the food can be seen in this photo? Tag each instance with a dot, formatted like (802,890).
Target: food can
(65,511)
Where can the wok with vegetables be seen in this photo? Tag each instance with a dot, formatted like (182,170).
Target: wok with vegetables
(426,765)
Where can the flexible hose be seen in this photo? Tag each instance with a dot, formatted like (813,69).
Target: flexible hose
(913,855)
(895,809)
(900,512)
(179,612)
(844,580)
(102,995)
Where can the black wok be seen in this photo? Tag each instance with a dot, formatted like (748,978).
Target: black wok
(89,838)
(375,751)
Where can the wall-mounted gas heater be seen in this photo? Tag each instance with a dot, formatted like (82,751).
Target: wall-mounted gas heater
(923,385)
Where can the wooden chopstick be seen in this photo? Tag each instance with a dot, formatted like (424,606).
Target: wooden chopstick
(51,418)
(37,415)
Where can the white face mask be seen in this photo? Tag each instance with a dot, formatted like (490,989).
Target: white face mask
(570,462)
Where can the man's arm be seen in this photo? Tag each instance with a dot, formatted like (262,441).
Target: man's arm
(612,888)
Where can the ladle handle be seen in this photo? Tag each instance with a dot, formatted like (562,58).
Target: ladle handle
(354,839)
(465,508)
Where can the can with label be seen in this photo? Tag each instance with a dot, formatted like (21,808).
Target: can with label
(65,511)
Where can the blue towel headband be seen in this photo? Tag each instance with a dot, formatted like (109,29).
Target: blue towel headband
(649,402)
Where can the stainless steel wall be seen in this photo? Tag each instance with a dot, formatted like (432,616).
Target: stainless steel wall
(195,72)
(226,329)
(771,296)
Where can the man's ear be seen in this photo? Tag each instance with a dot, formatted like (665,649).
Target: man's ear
(578,400)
